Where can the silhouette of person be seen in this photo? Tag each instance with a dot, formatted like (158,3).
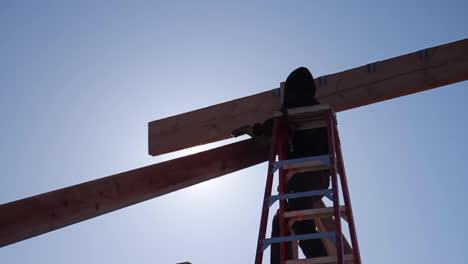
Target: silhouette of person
(300,91)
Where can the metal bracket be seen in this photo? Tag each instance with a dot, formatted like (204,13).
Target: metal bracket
(323,80)
(371,67)
(276,91)
(424,54)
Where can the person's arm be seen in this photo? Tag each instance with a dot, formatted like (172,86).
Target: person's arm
(257,130)
(265,129)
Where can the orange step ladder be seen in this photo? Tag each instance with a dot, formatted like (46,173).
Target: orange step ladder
(328,219)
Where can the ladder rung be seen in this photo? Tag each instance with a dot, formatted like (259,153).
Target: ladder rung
(309,124)
(313,165)
(312,110)
(321,260)
(308,117)
(308,110)
(313,213)
(274,198)
(320,162)
(269,241)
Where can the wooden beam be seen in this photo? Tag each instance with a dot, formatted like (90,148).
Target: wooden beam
(383,80)
(209,124)
(39,214)
(395,77)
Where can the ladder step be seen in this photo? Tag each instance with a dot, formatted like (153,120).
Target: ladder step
(314,163)
(310,124)
(269,241)
(321,260)
(307,111)
(306,117)
(313,213)
(274,198)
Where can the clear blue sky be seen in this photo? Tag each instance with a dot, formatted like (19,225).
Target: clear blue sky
(79,81)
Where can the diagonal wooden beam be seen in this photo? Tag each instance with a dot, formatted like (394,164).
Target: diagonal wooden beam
(383,80)
(40,214)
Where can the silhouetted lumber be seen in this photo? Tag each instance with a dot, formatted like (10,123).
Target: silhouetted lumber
(209,124)
(383,80)
(39,214)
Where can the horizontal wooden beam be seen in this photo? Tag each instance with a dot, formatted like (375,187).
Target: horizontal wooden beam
(39,214)
(209,124)
(395,77)
(379,81)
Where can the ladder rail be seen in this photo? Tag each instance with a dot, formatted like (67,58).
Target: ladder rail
(334,182)
(283,224)
(347,199)
(268,187)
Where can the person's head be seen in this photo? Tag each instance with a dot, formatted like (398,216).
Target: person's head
(299,89)
(301,79)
